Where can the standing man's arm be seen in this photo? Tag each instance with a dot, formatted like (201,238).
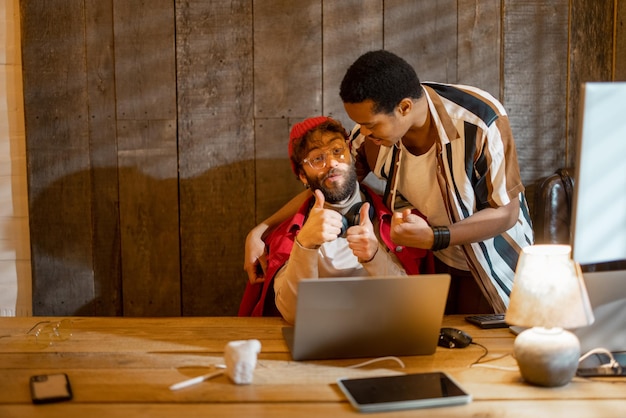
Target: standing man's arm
(412,231)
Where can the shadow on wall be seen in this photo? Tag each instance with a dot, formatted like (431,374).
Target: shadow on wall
(117,242)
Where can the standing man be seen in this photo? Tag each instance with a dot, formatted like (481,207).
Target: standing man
(449,152)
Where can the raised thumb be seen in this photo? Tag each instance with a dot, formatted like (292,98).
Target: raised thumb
(364,214)
(319,199)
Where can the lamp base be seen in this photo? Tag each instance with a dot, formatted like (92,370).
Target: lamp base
(547,356)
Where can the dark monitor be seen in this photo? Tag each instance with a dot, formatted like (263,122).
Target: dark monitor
(599,212)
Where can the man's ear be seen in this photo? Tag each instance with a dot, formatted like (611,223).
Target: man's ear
(303,179)
(405,105)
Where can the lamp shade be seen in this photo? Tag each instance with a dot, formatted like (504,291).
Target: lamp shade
(548,290)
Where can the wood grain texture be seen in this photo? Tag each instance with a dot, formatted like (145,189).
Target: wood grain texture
(129,375)
(144,59)
(349,28)
(150,246)
(480,45)
(57,142)
(276,183)
(287,59)
(425,34)
(591,57)
(535,80)
(144,35)
(103,156)
(216,151)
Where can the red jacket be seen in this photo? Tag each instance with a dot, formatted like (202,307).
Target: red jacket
(255,300)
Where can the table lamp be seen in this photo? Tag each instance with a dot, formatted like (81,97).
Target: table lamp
(548,295)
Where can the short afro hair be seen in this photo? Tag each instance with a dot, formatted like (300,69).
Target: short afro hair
(382,77)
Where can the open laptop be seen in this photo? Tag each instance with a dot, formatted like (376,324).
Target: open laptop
(368,317)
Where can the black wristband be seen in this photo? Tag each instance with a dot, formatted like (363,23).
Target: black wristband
(441,236)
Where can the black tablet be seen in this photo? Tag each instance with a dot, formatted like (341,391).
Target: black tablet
(407,391)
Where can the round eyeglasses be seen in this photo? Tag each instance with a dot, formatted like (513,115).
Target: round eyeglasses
(318,161)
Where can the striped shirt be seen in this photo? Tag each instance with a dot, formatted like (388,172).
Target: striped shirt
(477,168)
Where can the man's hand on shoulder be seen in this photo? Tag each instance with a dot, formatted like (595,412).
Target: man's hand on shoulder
(254,262)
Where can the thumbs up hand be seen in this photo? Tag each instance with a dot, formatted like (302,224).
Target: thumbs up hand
(322,225)
(361,238)
(410,230)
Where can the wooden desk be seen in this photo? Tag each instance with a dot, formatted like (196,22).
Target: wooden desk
(122,367)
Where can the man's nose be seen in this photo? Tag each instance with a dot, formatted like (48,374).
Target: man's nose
(332,162)
(365,131)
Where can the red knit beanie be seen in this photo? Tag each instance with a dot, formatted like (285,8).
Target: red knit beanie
(297,132)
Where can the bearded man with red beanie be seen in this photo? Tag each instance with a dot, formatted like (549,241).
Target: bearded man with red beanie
(343,230)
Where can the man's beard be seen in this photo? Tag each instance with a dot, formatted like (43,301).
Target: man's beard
(336,194)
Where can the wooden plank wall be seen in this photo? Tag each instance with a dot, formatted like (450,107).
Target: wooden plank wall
(156,130)
(535,77)
(104,192)
(619,49)
(216,151)
(58,155)
(592,55)
(147,156)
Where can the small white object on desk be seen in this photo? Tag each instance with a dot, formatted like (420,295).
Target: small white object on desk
(240,358)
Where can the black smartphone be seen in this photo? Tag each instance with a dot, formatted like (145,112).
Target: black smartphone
(407,391)
(47,388)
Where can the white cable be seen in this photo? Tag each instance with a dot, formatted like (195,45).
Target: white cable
(613,364)
(195,380)
(491,366)
(365,363)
